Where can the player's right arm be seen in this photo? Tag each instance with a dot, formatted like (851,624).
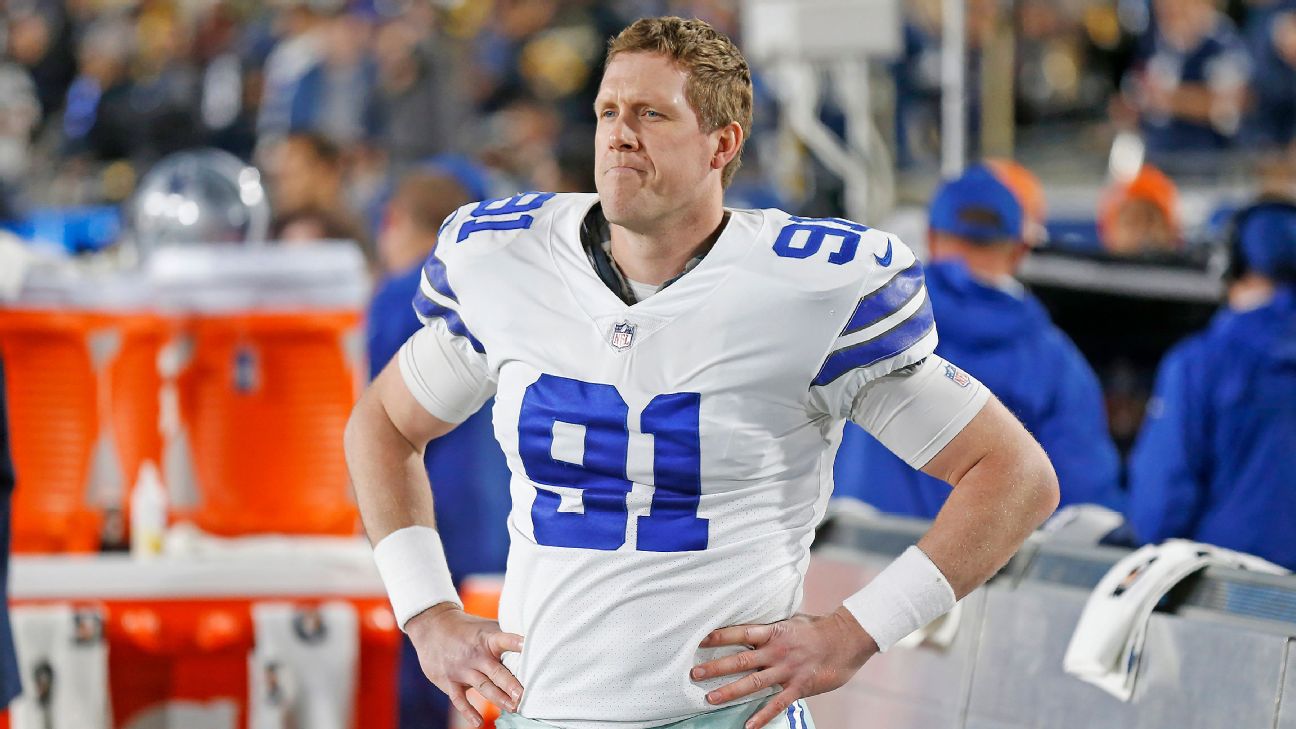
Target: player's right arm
(385,439)
(384,443)
(439,377)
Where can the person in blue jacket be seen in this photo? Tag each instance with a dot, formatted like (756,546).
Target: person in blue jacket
(466,467)
(1216,459)
(10,681)
(1002,336)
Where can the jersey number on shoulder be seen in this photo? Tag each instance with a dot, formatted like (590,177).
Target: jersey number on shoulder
(592,421)
(803,237)
(506,213)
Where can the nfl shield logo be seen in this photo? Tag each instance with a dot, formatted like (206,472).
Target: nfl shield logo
(959,377)
(622,335)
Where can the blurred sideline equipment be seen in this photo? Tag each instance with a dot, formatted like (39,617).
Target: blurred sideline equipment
(231,369)
(229,364)
(806,43)
(227,639)
(83,396)
(1215,651)
(199,196)
(1109,637)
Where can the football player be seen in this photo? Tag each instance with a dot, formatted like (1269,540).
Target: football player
(671,379)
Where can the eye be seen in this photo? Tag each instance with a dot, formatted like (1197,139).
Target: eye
(607,114)
(652,114)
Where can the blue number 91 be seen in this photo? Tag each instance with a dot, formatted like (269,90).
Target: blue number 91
(672,419)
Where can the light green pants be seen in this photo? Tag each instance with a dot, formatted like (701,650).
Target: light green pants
(732,717)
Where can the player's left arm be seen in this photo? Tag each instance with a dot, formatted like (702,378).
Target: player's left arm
(1003,488)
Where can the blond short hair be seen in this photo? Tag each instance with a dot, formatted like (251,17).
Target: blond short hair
(719,86)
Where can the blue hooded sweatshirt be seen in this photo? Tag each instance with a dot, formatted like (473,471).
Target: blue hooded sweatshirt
(1008,343)
(1216,459)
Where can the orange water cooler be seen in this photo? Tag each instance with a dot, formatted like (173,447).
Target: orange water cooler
(258,387)
(82,384)
(234,370)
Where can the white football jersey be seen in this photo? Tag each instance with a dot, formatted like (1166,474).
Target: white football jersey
(670,459)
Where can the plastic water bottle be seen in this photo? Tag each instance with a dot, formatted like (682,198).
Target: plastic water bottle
(148,517)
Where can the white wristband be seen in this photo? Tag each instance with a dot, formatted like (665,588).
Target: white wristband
(412,565)
(904,597)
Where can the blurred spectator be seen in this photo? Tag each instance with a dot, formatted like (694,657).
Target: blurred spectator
(41,41)
(337,96)
(166,88)
(1140,215)
(1213,462)
(496,71)
(1274,120)
(19,115)
(992,327)
(300,29)
(305,172)
(10,678)
(418,84)
(523,139)
(466,468)
(310,224)
(1190,83)
(231,88)
(100,121)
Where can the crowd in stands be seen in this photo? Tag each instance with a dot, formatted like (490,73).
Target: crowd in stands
(93,92)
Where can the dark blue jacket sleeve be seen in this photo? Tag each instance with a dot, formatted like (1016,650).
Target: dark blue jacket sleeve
(1075,435)
(1167,470)
(10,683)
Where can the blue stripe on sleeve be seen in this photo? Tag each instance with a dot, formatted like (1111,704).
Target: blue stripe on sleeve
(887,300)
(429,309)
(871,351)
(435,273)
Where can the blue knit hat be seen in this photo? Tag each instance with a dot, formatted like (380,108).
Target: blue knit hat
(1266,241)
(978,207)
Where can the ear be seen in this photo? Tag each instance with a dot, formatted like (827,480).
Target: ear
(1019,253)
(934,248)
(728,143)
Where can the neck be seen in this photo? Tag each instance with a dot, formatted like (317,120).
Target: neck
(1250,292)
(658,255)
(403,260)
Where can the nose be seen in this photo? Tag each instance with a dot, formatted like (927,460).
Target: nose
(621,136)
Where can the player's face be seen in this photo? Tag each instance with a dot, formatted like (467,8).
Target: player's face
(651,155)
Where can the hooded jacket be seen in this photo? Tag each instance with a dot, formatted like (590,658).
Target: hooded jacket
(1006,341)
(1215,459)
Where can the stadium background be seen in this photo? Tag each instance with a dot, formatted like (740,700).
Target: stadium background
(334,103)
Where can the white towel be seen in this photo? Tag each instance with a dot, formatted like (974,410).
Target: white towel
(63,658)
(1079,524)
(302,672)
(1108,641)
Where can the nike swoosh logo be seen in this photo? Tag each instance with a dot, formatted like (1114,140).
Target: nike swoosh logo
(885,259)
